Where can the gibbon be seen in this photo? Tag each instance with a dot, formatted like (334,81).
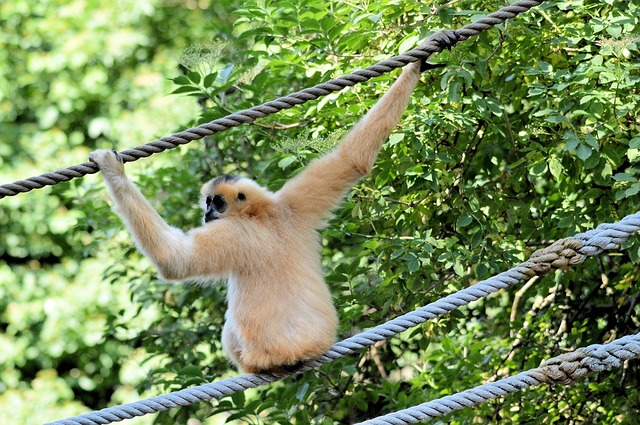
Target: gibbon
(266,245)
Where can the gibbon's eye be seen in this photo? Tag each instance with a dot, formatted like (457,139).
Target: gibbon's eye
(241,196)
(209,201)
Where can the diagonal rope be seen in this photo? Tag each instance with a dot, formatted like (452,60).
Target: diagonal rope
(565,369)
(434,44)
(560,255)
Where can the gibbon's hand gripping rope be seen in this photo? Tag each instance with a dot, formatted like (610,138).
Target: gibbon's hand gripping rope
(560,255)
(564,369)
(434,44)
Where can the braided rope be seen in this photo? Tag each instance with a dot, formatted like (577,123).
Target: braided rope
(565,369)
(434,44)
(568,368)
(561,254)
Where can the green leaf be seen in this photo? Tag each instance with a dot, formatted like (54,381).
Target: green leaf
(555,167)
(286,161)
(210,79)
(238,398)
(413,266)
(624,177)
(191,371)
(181,80)
(408,43)
(583,152)
(633,190)
(395,138)
(538,169)
(194,77)
(545,67)
(572,141)
(186,90)
(302,391)
(558,119)
(463,221)
(592,142)
(397,253)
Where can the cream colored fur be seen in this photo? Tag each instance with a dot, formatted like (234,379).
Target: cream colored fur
(280,310)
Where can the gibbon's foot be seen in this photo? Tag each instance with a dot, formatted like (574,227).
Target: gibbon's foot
(282,369)
(109,161)
(292,368)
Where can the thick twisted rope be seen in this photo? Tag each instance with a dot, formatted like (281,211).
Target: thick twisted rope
(565,369)
(434,44)
(560,255)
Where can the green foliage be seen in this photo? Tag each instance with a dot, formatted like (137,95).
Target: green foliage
(530,134)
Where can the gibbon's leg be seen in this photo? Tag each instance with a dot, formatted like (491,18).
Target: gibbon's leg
(318,189)
(231,344)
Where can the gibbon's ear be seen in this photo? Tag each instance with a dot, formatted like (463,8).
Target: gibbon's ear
(255,206)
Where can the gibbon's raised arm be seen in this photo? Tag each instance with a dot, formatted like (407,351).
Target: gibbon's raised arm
(175,254)
(320,187)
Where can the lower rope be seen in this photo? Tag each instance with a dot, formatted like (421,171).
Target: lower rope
(565,369)
(561,254)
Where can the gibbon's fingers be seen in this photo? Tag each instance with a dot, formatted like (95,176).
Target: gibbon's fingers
(109,162)
(446,40)
(425,66)
(118,157)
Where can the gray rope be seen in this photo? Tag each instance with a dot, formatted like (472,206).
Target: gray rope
(561,254)
(434,44)
(566,369)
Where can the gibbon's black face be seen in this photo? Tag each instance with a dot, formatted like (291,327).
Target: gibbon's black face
(216,203)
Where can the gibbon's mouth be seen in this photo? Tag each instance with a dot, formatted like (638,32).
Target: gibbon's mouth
(211,215)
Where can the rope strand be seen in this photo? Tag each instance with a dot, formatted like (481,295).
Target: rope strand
(565,369)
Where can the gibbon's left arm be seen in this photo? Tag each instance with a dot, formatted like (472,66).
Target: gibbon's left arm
(176,255)
(320,187)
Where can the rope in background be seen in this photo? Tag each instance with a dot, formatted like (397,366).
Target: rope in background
(434,44)
(564,369)
(560,255)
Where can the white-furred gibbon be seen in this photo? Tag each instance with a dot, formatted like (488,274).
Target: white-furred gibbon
(280,310)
